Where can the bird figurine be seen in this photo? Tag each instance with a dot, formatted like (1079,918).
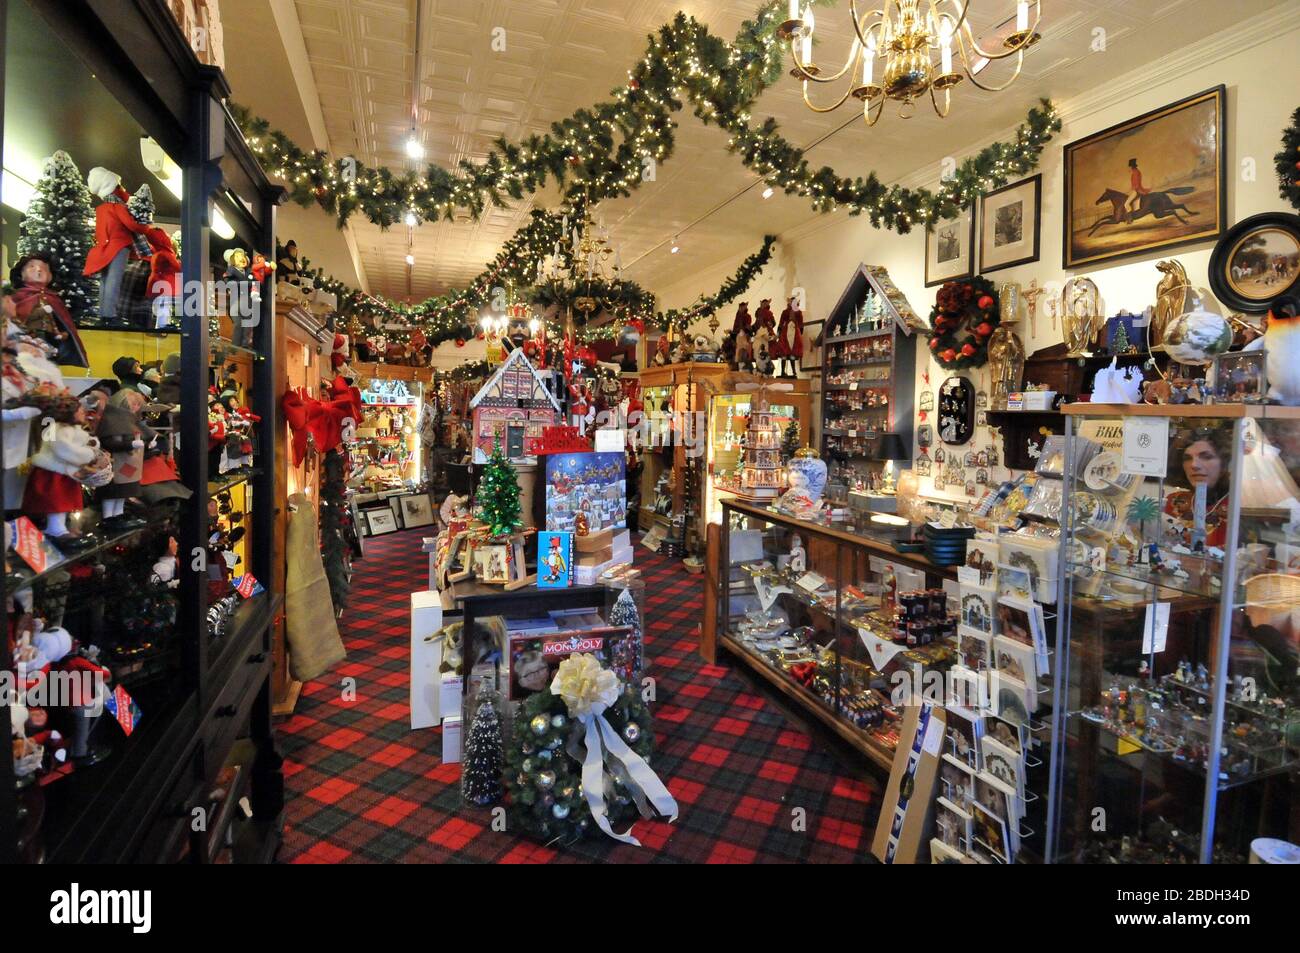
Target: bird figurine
(1281,342)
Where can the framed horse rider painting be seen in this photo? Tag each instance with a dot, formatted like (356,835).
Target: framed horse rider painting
(1155,182)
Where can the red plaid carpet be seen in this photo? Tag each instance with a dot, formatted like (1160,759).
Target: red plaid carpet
(363,787)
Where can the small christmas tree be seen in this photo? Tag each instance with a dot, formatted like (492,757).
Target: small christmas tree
(629,657)
(1121,344)
(498,494)
(141,206)
(61,221)
(142,209)
(790,442)
(481,764)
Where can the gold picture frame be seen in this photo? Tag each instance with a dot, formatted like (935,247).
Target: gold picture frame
(1178,155)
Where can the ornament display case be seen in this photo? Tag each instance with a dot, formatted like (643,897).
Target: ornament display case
(1178,736)
(728,416)
(199,712)
(868,365)
(815,622)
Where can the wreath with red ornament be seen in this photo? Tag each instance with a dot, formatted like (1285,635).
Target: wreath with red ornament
(964,317)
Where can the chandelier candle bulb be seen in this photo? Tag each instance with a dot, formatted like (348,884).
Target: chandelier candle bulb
(1022,16)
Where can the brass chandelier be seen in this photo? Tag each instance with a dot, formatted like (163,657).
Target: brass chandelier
(906,36)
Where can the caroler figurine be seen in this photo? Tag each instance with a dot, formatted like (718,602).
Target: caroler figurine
(115,232)
(41,311)
(123,433)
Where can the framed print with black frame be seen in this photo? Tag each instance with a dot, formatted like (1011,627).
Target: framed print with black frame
(950,249)
(380,520)
(417,510)
(1153,183)
(1010,220)
(1257,261)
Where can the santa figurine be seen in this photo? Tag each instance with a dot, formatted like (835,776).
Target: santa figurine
(764,319)
(115,234)
(743,320)
(40,310)
(788,346)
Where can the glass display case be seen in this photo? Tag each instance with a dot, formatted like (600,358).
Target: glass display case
(1179,738)
(814,610)
(133,587)
(728,422)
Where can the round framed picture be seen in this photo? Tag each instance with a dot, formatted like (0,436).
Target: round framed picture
(1256,261)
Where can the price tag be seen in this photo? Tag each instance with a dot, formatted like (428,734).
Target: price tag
(1156,628)
(611,441)
(853,386)
(1146,446)
(29,543)
(853,433)
(810,582)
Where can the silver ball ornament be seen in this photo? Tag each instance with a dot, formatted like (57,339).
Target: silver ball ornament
(560,811)
(631,732)
(558,721)
(545,754)
(546,779)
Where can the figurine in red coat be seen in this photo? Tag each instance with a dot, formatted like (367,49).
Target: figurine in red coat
(764,318)
(115,231)
(789,349)
(743,320)
(41,311)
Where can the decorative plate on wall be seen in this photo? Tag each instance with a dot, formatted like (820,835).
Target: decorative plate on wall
(956,411)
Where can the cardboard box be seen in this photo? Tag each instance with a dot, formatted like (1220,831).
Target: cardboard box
(426,656)
(903,832)
(451,740)
(590,575)
(594,542)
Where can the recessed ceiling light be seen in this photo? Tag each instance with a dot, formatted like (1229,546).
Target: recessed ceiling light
(768,192)
(410,259)
(676,247)
(414,148)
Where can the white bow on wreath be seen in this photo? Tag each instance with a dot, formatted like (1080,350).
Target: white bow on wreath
(588,689)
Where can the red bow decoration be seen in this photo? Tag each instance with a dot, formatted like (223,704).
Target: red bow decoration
(320,420)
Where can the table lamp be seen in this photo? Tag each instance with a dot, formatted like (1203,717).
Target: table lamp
(888,449)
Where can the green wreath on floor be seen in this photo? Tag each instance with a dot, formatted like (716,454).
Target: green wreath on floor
(964,317)
(544,781)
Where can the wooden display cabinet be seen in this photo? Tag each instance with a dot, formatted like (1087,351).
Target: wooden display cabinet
(868,368)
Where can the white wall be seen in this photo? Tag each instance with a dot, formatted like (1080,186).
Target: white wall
(1261,72)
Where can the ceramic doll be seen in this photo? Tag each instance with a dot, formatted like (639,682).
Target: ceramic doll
(115,233)
(123,433)
(42,312)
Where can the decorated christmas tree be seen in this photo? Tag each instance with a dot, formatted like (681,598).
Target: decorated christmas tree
(481,764)
(790,442)
(61,222)
(333,540)
(498,494)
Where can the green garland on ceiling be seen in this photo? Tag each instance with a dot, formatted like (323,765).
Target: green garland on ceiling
(706,305)
(601,150)
(604,147)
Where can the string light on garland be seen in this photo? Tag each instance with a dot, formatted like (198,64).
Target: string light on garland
(603,148)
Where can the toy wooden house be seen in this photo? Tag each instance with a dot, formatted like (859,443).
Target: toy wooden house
(513,406)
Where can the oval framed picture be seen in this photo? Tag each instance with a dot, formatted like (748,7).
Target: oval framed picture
(1256,261)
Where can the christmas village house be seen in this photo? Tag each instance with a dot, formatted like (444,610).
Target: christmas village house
(513,406)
